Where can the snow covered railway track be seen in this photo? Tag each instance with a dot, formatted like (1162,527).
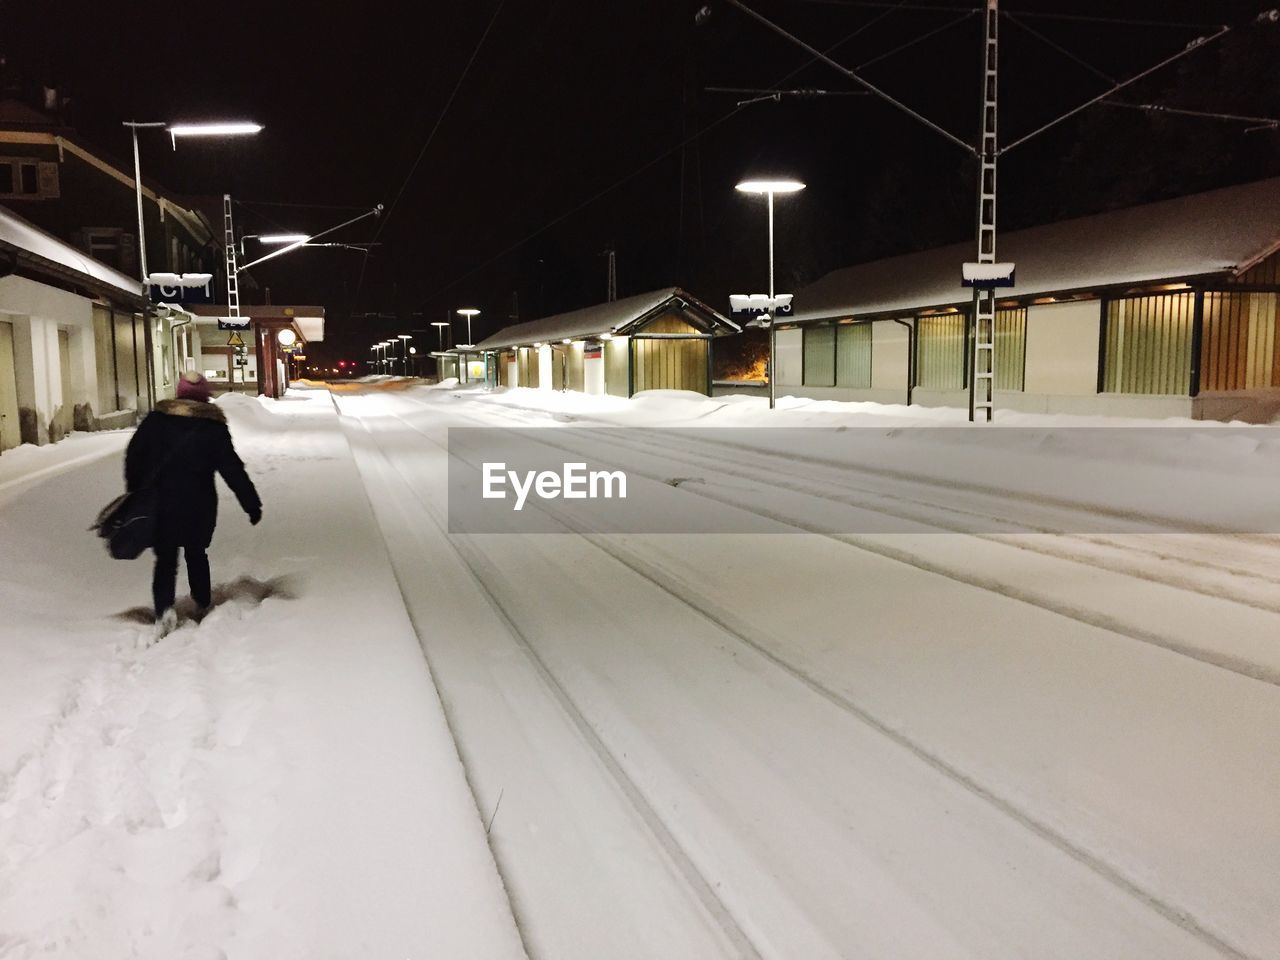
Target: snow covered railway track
(734,942)
(1254,655)
(1247,573)
(740,631)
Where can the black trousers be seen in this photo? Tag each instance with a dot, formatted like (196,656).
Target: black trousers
(164,581)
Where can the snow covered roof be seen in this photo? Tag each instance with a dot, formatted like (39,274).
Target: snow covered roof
(613,317)
(43,249)
(1206,233)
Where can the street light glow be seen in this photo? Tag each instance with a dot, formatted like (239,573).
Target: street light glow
(770,186)
(468,312)
(282,238)
(220,129)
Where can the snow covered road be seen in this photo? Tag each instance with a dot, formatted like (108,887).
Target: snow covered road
(390,741)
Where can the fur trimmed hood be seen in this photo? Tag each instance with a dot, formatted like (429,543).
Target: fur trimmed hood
(191,408)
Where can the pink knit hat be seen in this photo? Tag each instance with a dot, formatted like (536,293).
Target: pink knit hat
(193,386)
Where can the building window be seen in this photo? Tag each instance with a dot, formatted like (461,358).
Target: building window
(1011,348)
(853,355)
(819,356)
(1148,345)
(26,179)
(112,246)
(1241,346)
(940,360)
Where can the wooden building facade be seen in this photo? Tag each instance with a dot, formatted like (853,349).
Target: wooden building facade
(661,340)
(1168,309)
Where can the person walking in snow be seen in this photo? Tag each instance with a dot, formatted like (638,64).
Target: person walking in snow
(181,444)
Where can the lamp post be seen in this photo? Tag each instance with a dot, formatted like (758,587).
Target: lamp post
(468,312)
(175,130)
(413,355)
(404,339)
(769,188)
(440,325)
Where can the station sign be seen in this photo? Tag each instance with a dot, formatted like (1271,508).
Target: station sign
(987,276)
(180,288)
(759,309)
(234,323)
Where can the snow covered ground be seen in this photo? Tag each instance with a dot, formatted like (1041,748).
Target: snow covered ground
(278,781)
(393,741)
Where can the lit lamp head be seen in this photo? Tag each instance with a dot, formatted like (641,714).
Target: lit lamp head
(232,128)
(769,187)
(274,238)
(286,337)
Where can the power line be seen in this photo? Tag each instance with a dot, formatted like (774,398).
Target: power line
(920,39)
(871,4)
(819,55)
(302,206)
(430,137)
(1118,21)
(1017,21)
(654,161)
(1270,123)
(1116,88)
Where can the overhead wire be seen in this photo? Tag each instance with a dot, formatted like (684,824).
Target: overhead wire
(427,143)
(1270,123)
(1079,61)
(901,4)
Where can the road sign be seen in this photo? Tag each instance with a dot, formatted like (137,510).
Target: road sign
(233,323)
(235,341)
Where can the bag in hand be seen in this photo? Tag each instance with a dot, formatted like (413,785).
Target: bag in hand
(128,523)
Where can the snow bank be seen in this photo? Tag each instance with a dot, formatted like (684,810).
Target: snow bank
(276,781)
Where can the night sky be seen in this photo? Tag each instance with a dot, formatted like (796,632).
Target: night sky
(576,129)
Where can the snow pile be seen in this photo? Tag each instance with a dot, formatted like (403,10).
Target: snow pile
(276,781)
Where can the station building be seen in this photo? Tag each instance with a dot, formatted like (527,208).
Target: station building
(1163,310)
(78,349)
(657,340)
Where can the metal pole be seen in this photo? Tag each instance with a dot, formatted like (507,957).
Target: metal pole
(773,318)
(137,186)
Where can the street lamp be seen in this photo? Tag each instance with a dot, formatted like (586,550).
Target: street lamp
(404,339)
(769,188)
(468,312)
(175,131)
(272,238)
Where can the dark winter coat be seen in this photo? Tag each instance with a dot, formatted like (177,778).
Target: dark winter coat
(195,438)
